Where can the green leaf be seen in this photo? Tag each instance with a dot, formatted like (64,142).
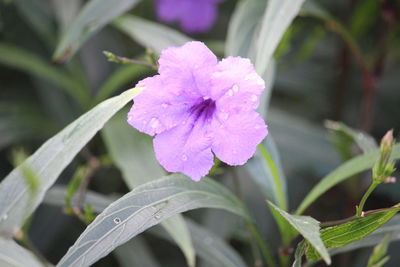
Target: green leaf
(38,15)
(277,17)
(357,229)
(23,60)
(344,137)
(143,207)
(392,227)
(13,255)
(177,228)
(377,258)
(94,16)
(135,253)
(150,34)
(50,160)
(309,228)
(300,250)
(242,27)
(343,172)
(213,250)
(133,153)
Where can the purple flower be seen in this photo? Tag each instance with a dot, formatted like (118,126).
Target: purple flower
(194,16)
(198,106)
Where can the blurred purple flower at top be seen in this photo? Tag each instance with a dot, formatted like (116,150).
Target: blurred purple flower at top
(194,16)
(198,106)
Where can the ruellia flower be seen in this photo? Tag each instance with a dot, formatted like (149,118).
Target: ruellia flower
(194,16)
(197,106)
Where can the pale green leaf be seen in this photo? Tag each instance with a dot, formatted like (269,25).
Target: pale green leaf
(94,16)
(242,27)
(135,253)
(277,17)
(309,229)
(49,161)
(343,172)
(13,255)
(143,207)
(377,258)
(150,34)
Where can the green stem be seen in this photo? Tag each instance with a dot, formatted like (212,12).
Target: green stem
(265,251)
(275,175)
(360,207)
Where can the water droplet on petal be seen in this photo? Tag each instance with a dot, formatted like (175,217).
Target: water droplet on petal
(158,215)
(254,98)
(117,220)
(164,105)
(230,92)
(154,122)
(235,88)
(184,157)
(260,82)
(206,97)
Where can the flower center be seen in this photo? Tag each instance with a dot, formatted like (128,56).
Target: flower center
(203,109)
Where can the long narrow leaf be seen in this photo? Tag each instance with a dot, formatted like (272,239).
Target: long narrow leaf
(95,15)
(16,203)
(13,255)
(143,207)
(343,172)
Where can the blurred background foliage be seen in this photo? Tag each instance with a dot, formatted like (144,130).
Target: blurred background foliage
(338,61)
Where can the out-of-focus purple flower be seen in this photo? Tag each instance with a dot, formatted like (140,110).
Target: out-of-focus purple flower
(194,16)
(198,106)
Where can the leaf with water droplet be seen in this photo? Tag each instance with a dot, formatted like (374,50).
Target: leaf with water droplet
(136,209)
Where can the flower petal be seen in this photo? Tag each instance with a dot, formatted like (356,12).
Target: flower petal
(158,107)
(185,148)
(169,10)
(236,85)
(199,16)
(235,139)
(188,68)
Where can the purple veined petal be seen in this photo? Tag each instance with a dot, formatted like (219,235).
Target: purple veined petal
(236,136)
(199,16)
(236,85)
(188,68)
(158,107)
(185,148)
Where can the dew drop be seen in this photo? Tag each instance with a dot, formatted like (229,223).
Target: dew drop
(235,88)
(254,98)
(206,97)
(260,82)
(164,105)
(158,215)
(117,220)
(154,122)
(184,157)
(230,92)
